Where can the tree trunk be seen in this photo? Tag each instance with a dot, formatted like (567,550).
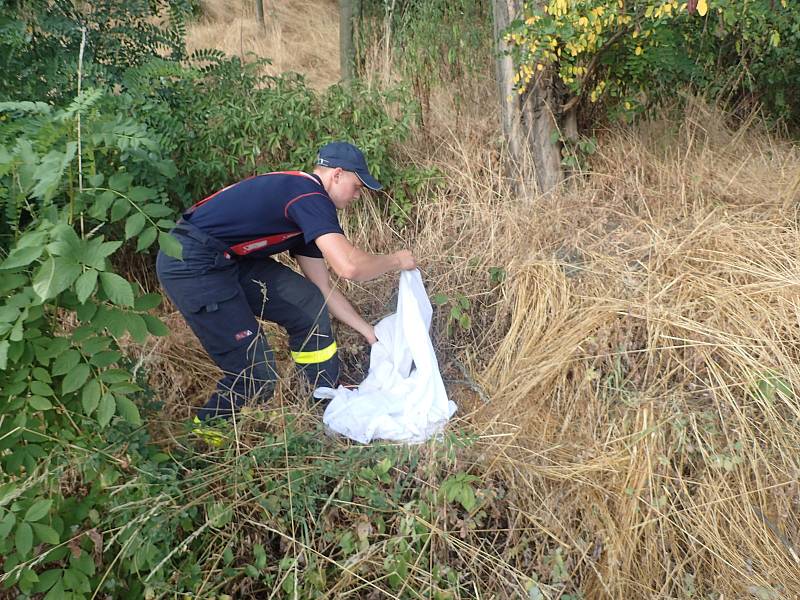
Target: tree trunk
(347,52)
(571,124)
(528,119)
(260,13)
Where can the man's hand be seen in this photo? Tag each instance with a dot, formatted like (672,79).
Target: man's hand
(370,335)
(405,260)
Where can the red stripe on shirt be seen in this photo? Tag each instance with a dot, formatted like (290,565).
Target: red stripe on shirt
(212,196)
(293,200)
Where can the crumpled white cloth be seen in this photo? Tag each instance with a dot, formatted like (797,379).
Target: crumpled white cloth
(403,398)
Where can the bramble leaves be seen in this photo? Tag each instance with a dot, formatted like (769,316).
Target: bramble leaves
(85,285)
(38,510)
(75,379)
(106,409)
(134,225)
(45,533)
(169,245)
(128,411)
(90,397)
(23,539)
(21,257)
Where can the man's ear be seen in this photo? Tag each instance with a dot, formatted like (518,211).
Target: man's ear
(336,172)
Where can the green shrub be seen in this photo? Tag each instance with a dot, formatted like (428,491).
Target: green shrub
(223,120)
(217,118)
(62,385)
(635,55)
(41,42)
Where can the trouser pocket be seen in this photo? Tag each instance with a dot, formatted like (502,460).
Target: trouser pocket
(221,319)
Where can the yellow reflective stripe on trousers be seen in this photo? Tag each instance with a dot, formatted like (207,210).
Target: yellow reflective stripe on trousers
(315,356)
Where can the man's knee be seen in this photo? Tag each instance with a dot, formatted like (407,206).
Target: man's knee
(314,311)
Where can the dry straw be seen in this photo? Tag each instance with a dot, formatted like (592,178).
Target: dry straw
(299,36)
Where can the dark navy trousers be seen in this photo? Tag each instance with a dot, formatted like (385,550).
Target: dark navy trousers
(220,296)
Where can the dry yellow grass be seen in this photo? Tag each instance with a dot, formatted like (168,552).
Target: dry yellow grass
(299,36)
(645,304)
(641,358)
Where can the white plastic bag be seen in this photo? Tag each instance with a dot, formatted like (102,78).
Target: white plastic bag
(403,398)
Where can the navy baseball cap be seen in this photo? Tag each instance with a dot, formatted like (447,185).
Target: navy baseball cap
(348,157)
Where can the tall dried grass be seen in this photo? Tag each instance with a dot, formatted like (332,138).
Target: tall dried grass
(300,36)
(641,359)
(643,354)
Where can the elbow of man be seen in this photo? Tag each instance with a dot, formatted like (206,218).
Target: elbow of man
(349,271)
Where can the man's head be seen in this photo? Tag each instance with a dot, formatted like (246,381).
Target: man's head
(344,172)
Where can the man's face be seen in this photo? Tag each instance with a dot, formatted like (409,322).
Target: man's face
(345,188)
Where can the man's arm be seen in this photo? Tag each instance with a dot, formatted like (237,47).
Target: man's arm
(353,263)
(315,270)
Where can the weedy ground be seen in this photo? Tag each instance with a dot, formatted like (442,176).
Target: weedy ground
(625,354)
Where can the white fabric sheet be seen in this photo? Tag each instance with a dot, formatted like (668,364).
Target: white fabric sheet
(403,398)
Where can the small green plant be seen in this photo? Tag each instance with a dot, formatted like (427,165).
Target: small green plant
(460,488)
(558,570)
(576,154)
(497,275)
(771,387)
(459,310)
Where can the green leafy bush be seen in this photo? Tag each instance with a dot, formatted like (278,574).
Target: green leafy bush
(634,55)
(41,42)
(219,119)
(63,378)
(223,120)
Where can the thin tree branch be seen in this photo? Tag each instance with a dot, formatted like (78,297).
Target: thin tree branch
(593,66)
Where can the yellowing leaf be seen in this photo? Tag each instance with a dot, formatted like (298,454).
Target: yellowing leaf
(702,7)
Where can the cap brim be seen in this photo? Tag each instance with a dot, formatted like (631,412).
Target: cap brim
(368,180)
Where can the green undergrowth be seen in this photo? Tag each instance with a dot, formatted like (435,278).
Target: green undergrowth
(282,509)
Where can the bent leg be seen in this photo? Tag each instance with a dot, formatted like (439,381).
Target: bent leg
(216,309)
(278,294)
(248,374)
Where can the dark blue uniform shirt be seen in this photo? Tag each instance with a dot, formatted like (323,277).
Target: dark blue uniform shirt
(268,214)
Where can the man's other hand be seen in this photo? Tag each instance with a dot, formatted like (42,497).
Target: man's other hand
(405,260)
